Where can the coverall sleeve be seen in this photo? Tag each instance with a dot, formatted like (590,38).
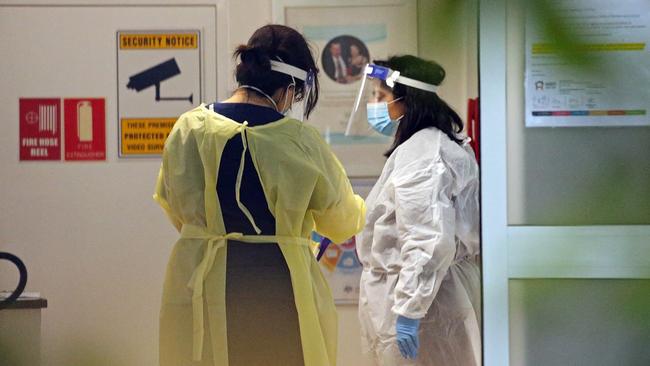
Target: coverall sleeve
(338,213)
(425,219)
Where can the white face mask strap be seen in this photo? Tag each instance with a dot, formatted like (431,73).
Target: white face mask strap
(395,100)
(286,91)
(275,105)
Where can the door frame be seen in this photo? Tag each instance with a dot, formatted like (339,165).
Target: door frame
(526,252)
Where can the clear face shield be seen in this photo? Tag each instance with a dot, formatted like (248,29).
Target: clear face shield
(370,110)
(297,107)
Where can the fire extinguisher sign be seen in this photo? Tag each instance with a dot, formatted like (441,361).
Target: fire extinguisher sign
(85,129)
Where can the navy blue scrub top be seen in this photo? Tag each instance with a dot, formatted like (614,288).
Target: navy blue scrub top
(252,194)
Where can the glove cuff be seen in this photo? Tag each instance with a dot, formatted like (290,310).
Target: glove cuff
(407,322)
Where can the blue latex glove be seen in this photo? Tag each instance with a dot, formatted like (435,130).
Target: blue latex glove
(407,336)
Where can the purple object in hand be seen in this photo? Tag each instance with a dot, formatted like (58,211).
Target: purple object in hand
(324,243)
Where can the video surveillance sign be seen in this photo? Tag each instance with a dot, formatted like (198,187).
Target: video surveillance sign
(159,78)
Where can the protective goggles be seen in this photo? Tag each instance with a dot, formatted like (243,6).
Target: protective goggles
(376,87)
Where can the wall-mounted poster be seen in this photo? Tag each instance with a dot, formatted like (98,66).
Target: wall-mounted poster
(607,83)
(346,37)
(339,263)
(159,78)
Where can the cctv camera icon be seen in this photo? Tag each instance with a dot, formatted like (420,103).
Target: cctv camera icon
(153,76)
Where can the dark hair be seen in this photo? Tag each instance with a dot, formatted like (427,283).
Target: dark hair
(280,43)
(423,108)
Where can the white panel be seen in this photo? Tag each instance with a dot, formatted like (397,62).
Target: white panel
(579,252)
(20,336)
(492,46)
(579,322)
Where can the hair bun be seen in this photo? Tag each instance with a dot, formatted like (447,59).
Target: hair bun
(254,57)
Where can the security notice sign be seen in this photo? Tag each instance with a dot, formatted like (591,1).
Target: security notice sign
(40,129)
(144,135)
(85,129)
(159,78)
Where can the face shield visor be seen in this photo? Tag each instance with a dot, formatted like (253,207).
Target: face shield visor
(376,89)
(297,107)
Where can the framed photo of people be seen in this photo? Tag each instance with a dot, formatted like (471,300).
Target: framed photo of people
(345,36)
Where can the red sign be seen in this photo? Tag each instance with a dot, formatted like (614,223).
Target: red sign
(40,129)
(85,129)
(474,126)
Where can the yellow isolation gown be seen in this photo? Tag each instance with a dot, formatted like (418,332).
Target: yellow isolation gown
(306,189)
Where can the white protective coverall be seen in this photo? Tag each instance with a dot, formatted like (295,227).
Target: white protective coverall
(420,253)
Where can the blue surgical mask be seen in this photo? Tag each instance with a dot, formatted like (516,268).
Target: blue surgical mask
(379,118)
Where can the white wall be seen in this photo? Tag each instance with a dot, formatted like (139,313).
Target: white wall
(95,243)
(447,34)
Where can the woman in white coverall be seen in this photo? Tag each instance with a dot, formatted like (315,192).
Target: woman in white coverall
(420,287)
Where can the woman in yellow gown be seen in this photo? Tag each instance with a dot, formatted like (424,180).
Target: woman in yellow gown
(245,189)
